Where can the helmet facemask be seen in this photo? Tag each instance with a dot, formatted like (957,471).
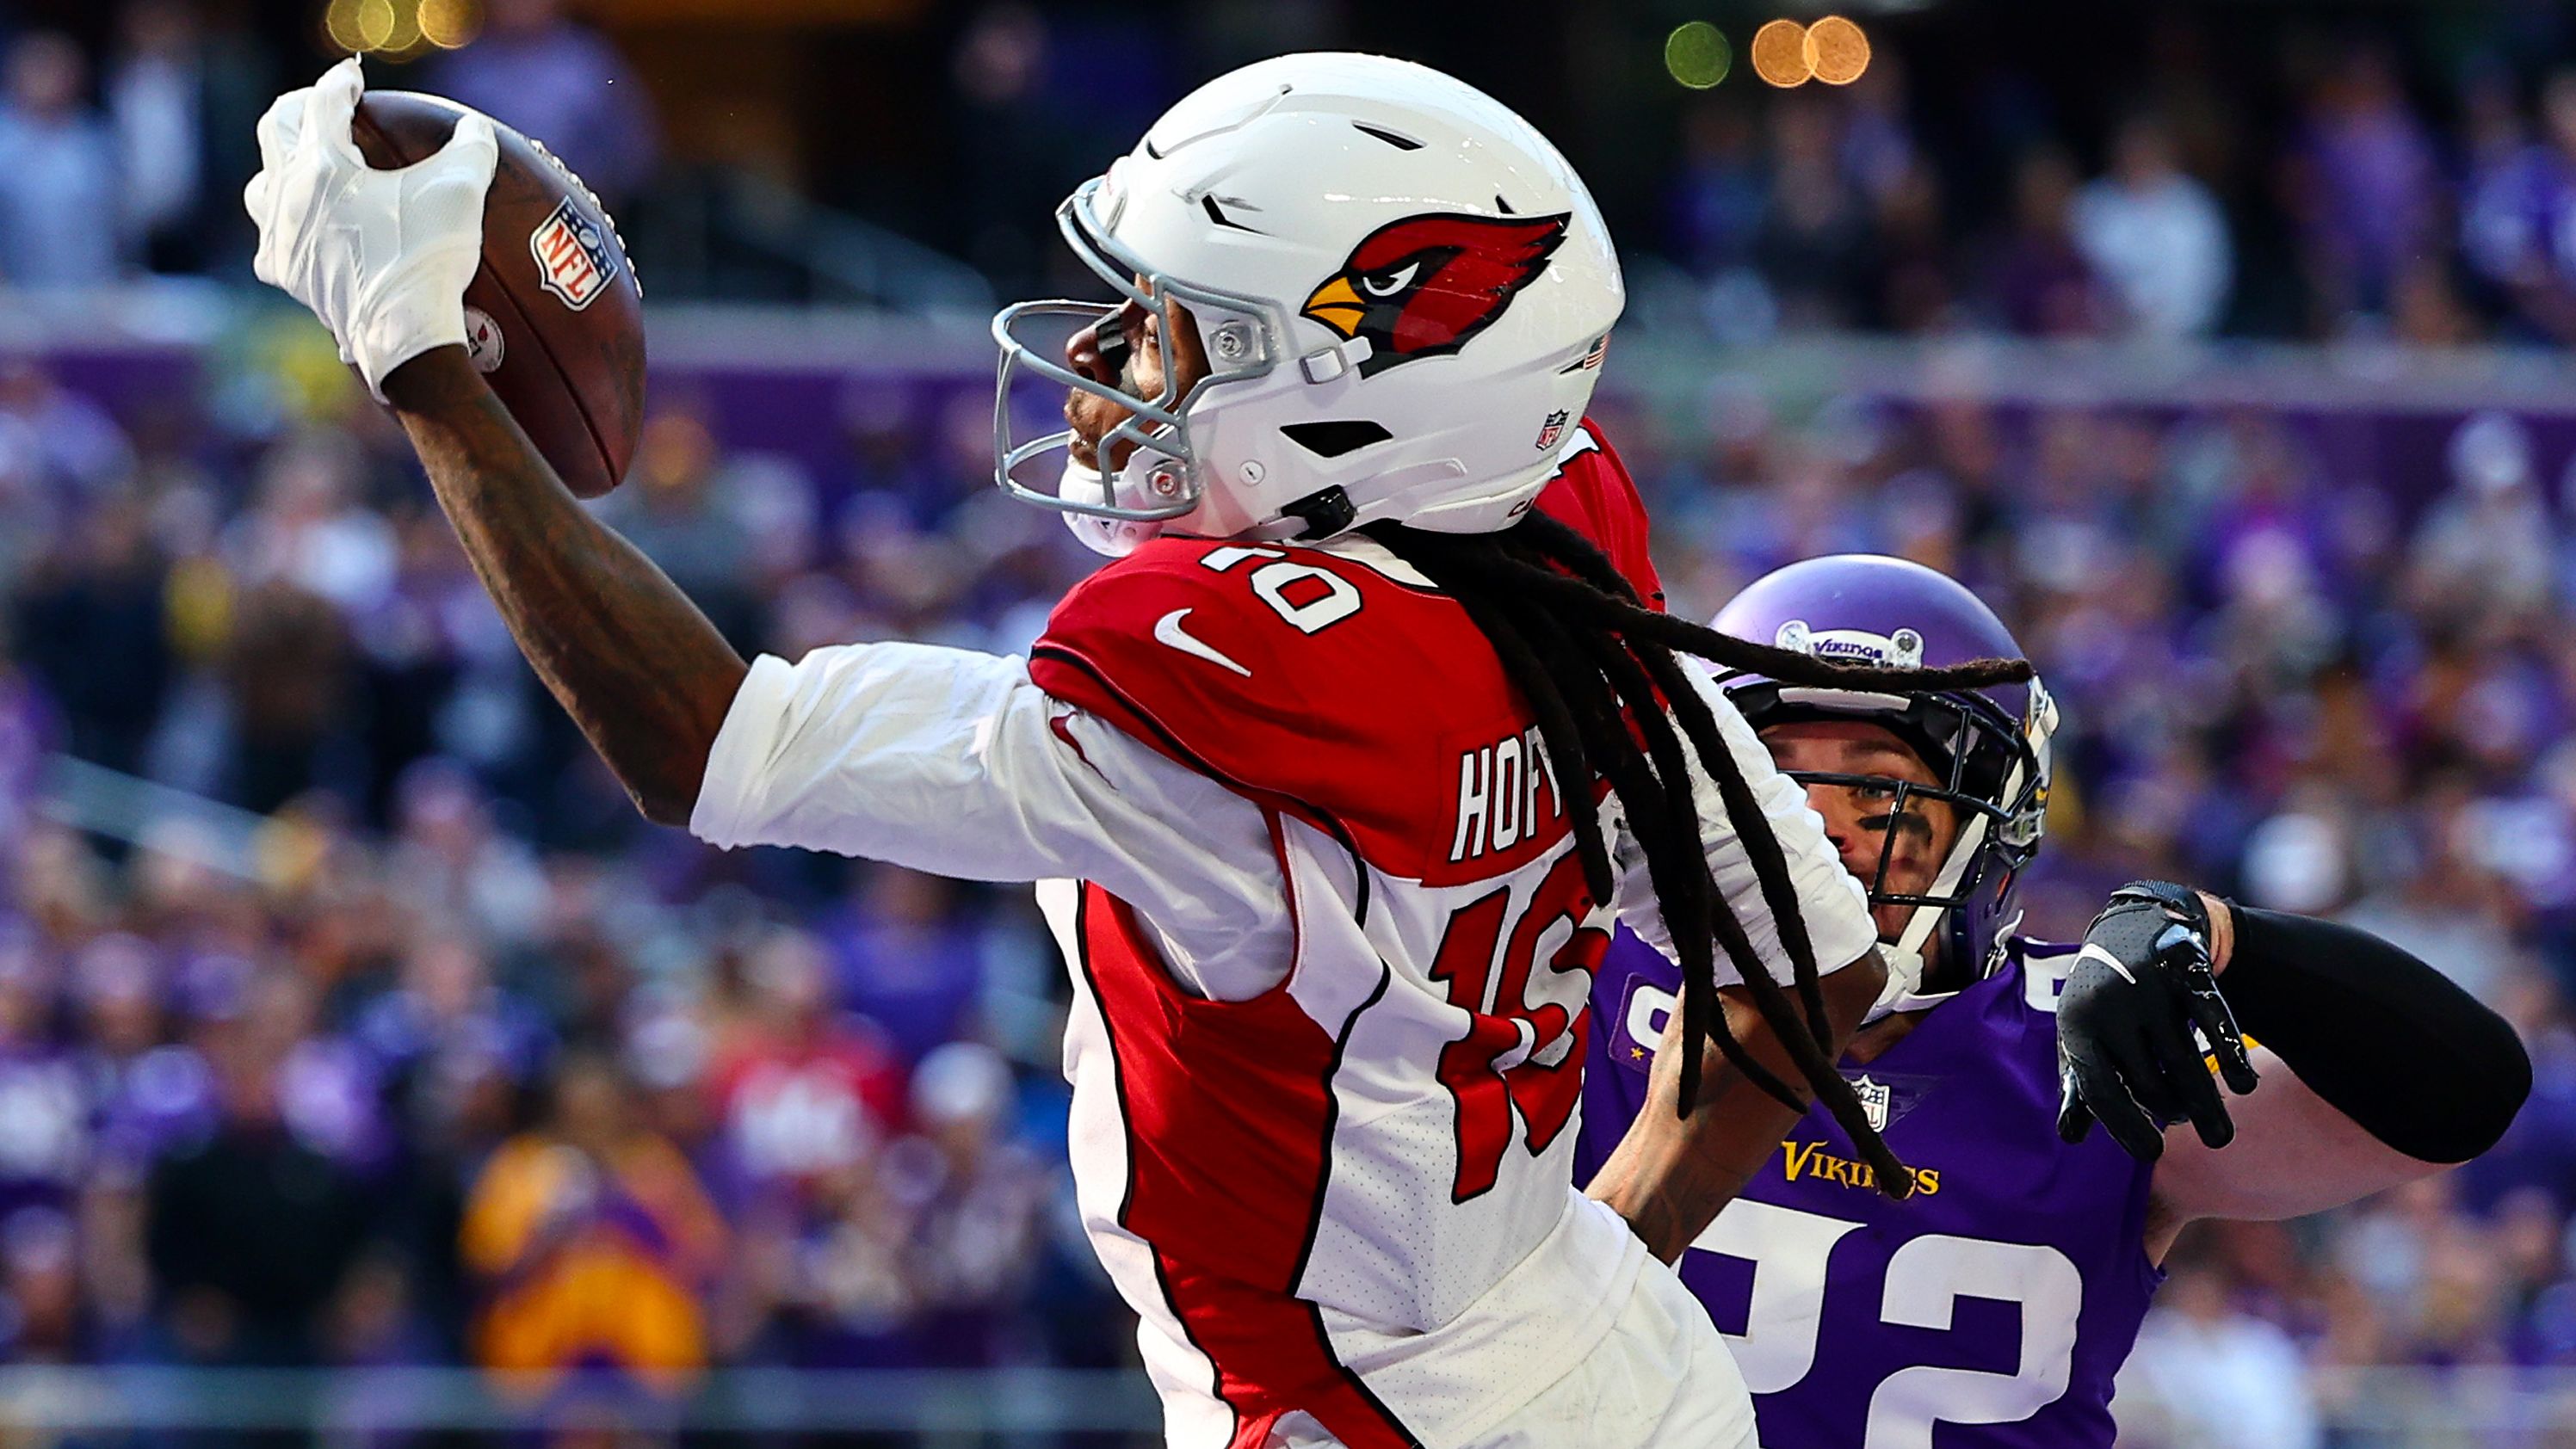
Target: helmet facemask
(1993,775)
(1162,477)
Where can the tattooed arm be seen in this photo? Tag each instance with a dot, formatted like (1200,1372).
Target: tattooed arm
(643,673)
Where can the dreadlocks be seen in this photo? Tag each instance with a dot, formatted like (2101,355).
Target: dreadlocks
(1598,670)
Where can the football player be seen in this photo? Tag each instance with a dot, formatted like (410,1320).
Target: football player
(1345,764)
(1999,1300)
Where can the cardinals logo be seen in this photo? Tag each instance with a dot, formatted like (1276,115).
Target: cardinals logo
(1424,286)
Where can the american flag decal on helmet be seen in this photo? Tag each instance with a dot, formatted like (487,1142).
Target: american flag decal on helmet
(573,257)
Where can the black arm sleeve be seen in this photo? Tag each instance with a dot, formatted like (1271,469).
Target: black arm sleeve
(2385,1039)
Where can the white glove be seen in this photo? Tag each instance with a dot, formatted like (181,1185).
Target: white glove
(382,257)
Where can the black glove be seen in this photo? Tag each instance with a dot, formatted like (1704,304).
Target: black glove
(2124,1047)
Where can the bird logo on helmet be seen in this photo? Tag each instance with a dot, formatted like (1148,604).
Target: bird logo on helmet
(1989,747)
(1423,286)
(1322,221)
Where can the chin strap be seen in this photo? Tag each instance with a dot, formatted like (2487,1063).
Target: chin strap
(1904,990)
(1921,936)
(1324,513)
(1113,537)
(1909,956)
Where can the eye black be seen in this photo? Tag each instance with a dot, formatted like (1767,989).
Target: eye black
(1114,349)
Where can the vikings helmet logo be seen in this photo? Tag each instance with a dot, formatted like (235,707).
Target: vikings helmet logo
(1423,286)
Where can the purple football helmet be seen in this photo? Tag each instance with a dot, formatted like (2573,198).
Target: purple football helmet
(1989,746)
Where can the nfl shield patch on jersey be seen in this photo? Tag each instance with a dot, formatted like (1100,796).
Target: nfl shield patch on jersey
(1874,1098)
(573,259)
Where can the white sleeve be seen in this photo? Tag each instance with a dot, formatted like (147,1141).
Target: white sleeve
(1830,900)
(953,762)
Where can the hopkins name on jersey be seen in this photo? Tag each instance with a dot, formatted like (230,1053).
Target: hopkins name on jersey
(1997,1302)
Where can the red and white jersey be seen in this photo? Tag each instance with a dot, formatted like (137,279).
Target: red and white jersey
(1331,947)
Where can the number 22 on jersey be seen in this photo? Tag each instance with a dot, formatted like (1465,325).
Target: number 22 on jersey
(1926,1276)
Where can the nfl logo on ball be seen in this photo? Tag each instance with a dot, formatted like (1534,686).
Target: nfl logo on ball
(573,260)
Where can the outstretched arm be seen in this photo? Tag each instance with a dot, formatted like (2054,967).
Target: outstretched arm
(383,259)
(2373,1068)
(2376,1070)
(635,664)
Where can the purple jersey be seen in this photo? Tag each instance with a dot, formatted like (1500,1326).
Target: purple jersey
(1997,1302)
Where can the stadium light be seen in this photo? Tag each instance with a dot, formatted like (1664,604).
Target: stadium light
(1780,54)
(1836,51)
(401,29)
(450,24)
(1697,55)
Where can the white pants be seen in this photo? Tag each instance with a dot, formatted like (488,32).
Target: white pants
(1662,1379)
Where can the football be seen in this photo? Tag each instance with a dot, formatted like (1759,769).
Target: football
(554,318)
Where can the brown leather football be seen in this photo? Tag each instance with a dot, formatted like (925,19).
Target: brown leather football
(554,318)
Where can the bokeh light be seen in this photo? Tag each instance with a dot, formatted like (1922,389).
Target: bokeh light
(375,24)
(449,24)
(340,22)
(1698,55)
(1836,51)
(1780,54)
(401,30)
(405,35)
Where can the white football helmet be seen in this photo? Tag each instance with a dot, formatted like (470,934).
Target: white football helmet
(1404,294)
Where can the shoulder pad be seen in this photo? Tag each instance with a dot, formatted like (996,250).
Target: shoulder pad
(1303,680)
(2044,967)
(1593,493)
(1169,603)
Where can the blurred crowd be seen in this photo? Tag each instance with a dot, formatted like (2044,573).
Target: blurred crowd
(401,1038)
(2314,692)
(2368,210)
(411,1042)
(2190,172)
(126,155)
(408,1042)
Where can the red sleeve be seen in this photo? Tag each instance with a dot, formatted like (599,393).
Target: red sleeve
(1181,658)
(1593,493)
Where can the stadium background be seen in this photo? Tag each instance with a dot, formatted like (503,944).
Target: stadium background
(370,1073)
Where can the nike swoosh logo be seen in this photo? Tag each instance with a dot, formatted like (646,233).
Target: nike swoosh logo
(1168,630)
(2092,952)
